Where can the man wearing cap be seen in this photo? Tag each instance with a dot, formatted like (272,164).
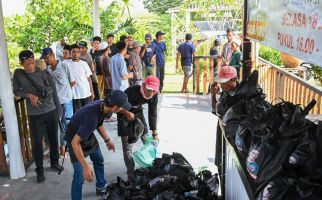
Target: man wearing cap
(83,90)
(111,45)
(82,142)
(64,81)
(147,55)
(227,78)
(135,65)
(139,95)
(186,50)
(85,56)
(29,83)
(160,49)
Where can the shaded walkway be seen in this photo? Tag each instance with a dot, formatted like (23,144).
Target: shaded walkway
(185,126)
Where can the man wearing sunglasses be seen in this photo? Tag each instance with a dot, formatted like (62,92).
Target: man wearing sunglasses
(137,96)
(29,83)
(148,55)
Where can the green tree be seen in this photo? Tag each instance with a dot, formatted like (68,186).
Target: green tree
(161,6)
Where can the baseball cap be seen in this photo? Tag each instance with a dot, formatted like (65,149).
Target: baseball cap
(159,33)
(118,98)
(25,54)
(152,83)
(83,44)
(148,36)
(136,44)
(225,74)
(45,52)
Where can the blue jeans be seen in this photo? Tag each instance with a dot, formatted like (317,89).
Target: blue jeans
(78,179)
(67,115)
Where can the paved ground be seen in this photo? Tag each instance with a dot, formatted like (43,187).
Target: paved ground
(185,126)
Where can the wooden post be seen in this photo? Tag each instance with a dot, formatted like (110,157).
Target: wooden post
(17,168)
(247,46)
(197,76)
(204,76)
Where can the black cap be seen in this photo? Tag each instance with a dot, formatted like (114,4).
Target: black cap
(83,44)
(159,33)
(45,52)
(118,98)
(25,54)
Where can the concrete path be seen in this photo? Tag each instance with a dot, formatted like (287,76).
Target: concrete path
(185,125)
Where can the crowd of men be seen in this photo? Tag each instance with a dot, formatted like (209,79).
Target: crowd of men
(77,88)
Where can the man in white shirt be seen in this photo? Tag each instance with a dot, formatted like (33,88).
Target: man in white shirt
(83,90)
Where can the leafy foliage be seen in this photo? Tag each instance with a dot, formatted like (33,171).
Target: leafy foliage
(270,55)
(317,73)
(45,22)
(161,6)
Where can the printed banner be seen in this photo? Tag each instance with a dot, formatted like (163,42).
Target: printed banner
(290,26)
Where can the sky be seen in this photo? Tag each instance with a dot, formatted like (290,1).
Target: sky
(11,7)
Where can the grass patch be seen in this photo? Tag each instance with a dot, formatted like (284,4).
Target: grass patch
(173,81)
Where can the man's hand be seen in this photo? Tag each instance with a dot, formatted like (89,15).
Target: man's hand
(155,135)
(214,89)
(130,116)
(110,146)
(93,96)
(88,173)
(34,100)
(72,84)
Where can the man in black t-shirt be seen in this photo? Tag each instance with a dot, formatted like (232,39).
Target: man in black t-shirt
(96,54)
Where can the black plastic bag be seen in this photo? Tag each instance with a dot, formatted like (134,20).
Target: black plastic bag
(285,188)
(176,165)
(208,185)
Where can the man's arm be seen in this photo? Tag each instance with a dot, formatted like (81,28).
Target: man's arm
(177,61)
(20,93)
(87,170)
(143,51)
(110,145)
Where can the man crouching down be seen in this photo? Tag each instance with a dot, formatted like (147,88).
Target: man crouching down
(82,142)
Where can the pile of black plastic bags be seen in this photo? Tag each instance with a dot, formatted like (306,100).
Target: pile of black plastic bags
(280,149)
(170,178)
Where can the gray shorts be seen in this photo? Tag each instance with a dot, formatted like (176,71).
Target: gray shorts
(187,71)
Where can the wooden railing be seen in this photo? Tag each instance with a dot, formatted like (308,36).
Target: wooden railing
(203,67)
(26,140)
(278,83)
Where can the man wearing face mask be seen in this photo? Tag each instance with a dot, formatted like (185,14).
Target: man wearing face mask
(137,96)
